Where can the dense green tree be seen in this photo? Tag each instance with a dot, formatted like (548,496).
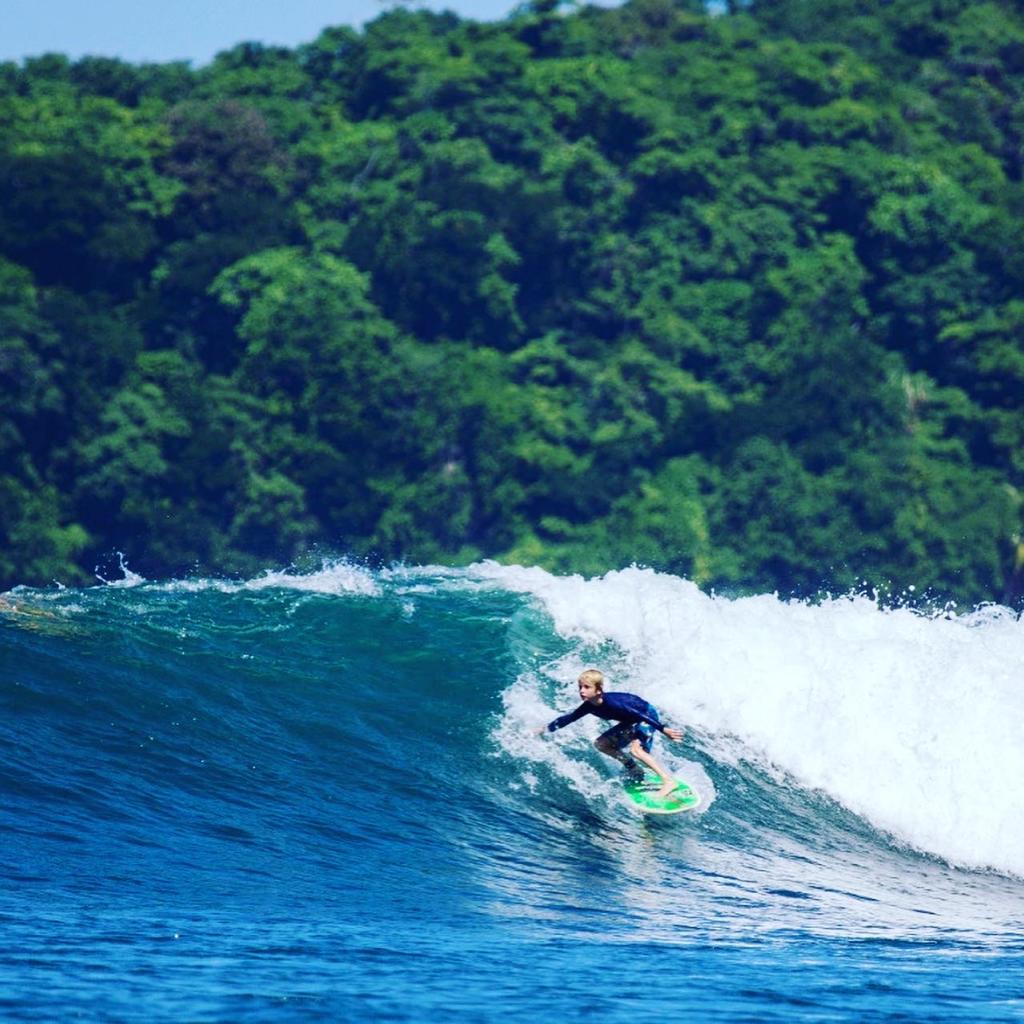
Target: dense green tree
(346,418)
(37,540)
(730,291)
(83,193)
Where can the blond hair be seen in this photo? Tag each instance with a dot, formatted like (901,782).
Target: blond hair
(594,677)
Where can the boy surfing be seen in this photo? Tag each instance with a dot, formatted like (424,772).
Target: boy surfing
(637,721)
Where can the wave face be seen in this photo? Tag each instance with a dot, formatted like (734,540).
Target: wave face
(324,796)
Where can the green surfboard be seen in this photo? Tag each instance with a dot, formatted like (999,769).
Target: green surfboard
(683,798)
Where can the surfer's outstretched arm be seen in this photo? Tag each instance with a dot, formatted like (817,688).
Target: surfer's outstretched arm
(563,720)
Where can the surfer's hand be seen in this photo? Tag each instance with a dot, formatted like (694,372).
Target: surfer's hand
(674,734)
(543,729)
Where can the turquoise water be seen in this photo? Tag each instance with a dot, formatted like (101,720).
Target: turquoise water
(322,797)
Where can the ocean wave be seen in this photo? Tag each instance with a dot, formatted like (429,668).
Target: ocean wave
(903,720)
(909,720)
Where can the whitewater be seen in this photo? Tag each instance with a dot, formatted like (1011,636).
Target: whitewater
(322,795)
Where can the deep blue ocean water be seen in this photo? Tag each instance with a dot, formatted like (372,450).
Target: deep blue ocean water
(322,797)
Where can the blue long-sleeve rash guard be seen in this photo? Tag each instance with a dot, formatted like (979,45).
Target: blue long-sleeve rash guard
(616,707)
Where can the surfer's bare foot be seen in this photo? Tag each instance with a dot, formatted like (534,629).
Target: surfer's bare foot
(667,788)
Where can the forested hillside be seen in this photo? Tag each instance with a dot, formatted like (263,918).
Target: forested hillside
(736,294)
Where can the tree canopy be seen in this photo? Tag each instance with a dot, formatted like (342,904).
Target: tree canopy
(737,292)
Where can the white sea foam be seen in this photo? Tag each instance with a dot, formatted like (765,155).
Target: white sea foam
(332,578)
(911,721)
(129,579)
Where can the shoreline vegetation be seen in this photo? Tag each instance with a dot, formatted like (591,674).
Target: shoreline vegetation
(735,294)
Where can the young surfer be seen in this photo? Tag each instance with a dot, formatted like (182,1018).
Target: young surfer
(637,720)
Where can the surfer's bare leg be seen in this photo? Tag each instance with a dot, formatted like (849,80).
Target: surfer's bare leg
(668,783)
(607,746)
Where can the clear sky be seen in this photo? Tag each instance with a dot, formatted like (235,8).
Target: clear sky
(195,30)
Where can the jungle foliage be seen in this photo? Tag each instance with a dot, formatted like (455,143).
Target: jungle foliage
(736,293)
